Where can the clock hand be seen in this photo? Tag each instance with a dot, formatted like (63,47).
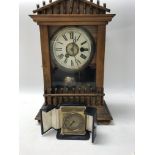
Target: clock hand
(72,123)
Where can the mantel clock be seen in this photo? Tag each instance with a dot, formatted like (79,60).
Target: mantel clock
(72,34)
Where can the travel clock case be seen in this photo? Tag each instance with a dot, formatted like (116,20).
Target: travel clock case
(50,119)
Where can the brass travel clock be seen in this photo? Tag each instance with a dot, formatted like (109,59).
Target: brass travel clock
(73,120)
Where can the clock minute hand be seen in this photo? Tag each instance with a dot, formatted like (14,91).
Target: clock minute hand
(72,123)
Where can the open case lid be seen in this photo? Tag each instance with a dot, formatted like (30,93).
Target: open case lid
(91,117)
(49,118)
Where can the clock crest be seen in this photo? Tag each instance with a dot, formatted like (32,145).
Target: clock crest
(72,34)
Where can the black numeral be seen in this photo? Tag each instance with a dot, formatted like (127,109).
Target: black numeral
(77,61)
(83,43)
(78,37)
(83,49)
(83,56)
(60,56)
(71,35)
(65,60)
(64,36)
(58,49)
(59,42)
(72,63)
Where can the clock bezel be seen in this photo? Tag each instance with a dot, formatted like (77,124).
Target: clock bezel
(92,53)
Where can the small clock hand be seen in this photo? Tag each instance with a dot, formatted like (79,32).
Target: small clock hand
(72,123)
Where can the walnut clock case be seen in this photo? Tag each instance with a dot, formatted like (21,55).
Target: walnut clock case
(72,34)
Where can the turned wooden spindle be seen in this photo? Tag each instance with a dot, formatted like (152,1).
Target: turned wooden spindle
(91,8)
(73,91)
(45,97)
(98,3)
(81,97)
(48,98)
(50,91)
(71,6)
(98,97)
(65,92)
(45,11)
(95,97)
(59,8)
(88,98)
(91,98)
(85,98)
(61,98)
(76,92)
(55,98)
(64,7)
(79,91)
(78,6)
(101,91)
(84,8)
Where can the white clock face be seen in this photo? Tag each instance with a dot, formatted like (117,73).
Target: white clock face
(71,48)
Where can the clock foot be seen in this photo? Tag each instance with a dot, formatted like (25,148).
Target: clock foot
(103,114)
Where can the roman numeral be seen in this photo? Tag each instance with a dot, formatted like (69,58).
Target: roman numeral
(78,37)
(60,56)
(71,35)
(58,49)
(83,43)
(64,36)
(83,49)
(65,60)
(77,61)
(83,56)
(59,42)
(72,63)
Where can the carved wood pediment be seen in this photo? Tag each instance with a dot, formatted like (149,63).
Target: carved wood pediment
(71,7)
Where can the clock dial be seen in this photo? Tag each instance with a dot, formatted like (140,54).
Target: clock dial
(73,121)
(71,48)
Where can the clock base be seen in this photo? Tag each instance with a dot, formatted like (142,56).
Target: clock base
(103,114)
(73,137)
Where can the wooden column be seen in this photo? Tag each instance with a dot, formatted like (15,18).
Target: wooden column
(46,59)
(101,33)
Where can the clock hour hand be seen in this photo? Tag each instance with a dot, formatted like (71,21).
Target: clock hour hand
(83,49)
(72,123)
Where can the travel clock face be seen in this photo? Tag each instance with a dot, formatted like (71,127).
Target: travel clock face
(71,48)
(73,121)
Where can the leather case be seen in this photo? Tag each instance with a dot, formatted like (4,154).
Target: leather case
(50,118)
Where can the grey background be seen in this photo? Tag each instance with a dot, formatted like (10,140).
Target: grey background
(119,58)
(114,139)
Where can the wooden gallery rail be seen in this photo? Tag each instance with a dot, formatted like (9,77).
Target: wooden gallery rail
(88,96)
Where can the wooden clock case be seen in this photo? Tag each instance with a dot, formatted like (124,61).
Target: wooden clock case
(92,17)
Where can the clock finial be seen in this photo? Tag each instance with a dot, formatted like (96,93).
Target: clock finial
(98,2)
(44,3)
(37,6)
